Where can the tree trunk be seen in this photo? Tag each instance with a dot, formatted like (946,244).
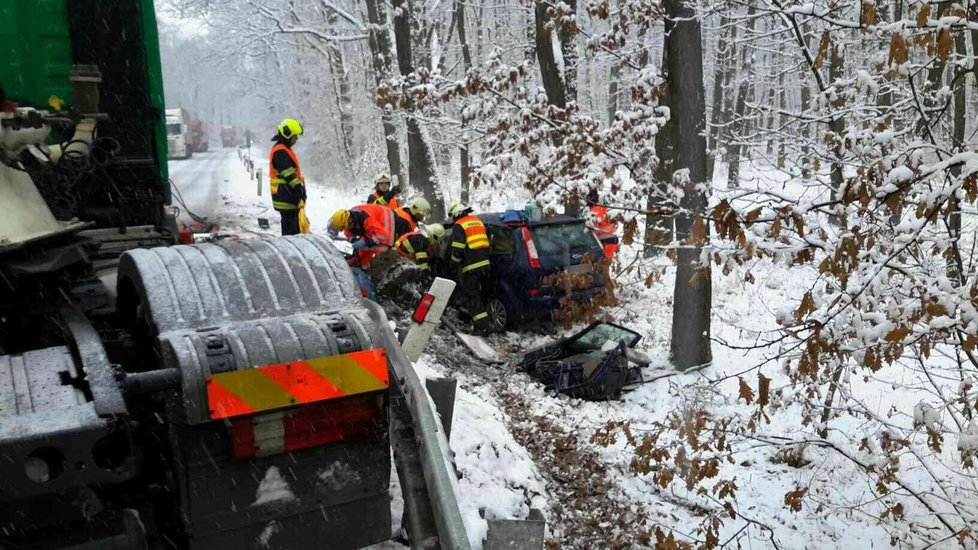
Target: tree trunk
(380,49)
(782,119)
(838,124)
(692,297)
(771,104)
(658,229)
(341,85)
(530,52)
(613,92)
(553,82)
(719,74)
(740,105)
(954,264)
(568,47)
(467,60)
(420,161)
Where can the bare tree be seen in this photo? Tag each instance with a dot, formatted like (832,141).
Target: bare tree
(693,292)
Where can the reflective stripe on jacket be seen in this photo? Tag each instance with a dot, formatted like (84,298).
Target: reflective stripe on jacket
(377,198)
(413,246)
(379,225)
(283,198)
(470,243)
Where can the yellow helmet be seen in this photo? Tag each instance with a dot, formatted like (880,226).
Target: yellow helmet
(290,127)
(340,220)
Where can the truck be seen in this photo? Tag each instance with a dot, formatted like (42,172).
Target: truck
(229,136)
(198,136)
(179,138)
(234,394)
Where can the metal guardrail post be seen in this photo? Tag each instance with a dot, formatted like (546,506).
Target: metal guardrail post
(432,447)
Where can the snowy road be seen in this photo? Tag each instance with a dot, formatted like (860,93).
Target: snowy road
(203,180)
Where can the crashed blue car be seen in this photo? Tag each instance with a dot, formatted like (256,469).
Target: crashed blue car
(526,254)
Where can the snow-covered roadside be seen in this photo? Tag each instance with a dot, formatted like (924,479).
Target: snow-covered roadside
(502,478)
(243,206)
(499,479)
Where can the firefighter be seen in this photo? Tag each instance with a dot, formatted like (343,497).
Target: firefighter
(369,226)
(383,194)
(414,246)
(436,250)
(285,177)
(604,228)
(409,216)
(470,264)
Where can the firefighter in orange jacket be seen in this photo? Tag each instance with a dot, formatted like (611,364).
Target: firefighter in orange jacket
(285,177)
(470,260)
(369,226)
(383,194)
(604,229)
(407,218)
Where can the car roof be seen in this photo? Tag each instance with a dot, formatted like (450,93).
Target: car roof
(494,218)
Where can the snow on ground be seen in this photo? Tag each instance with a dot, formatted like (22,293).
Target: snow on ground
(499,477)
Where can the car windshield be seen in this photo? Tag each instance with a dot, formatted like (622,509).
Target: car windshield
(595,337)
(551,239)
(173,129)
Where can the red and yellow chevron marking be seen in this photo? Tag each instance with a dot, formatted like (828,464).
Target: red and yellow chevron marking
(270,387)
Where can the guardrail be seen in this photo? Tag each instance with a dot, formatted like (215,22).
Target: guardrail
(432,452)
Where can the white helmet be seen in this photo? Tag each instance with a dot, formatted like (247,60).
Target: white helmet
(436,232)
(458,210)
(419,205)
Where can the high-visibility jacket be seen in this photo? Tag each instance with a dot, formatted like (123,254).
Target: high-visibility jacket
(285,182)
(404,222)
(470,244)
(605,229)
(377,227)
(387,199)
(413,246)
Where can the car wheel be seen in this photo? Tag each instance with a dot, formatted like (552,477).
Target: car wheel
(498,316)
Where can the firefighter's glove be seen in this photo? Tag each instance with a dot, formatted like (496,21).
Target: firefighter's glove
(359,244)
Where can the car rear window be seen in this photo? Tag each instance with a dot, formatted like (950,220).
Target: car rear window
(551,239)
(502,241)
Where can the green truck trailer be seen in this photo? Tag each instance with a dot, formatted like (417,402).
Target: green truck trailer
(154,395)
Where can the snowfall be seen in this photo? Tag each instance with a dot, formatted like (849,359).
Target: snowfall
(497,407)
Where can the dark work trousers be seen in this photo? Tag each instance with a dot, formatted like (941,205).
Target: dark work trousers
(290,222)
(473,298)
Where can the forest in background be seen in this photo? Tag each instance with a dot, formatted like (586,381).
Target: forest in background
(831,136)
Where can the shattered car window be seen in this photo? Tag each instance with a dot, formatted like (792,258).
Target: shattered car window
(594,338)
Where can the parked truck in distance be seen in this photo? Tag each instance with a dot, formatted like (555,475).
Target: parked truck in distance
(178,135)
(199,140)
(229,136)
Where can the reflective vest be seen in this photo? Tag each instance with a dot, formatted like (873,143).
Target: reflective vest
(605,230)
(377,198)
(413,246)
(405,221)
(603,227)
(379,225)
(476,245)
(279,200)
